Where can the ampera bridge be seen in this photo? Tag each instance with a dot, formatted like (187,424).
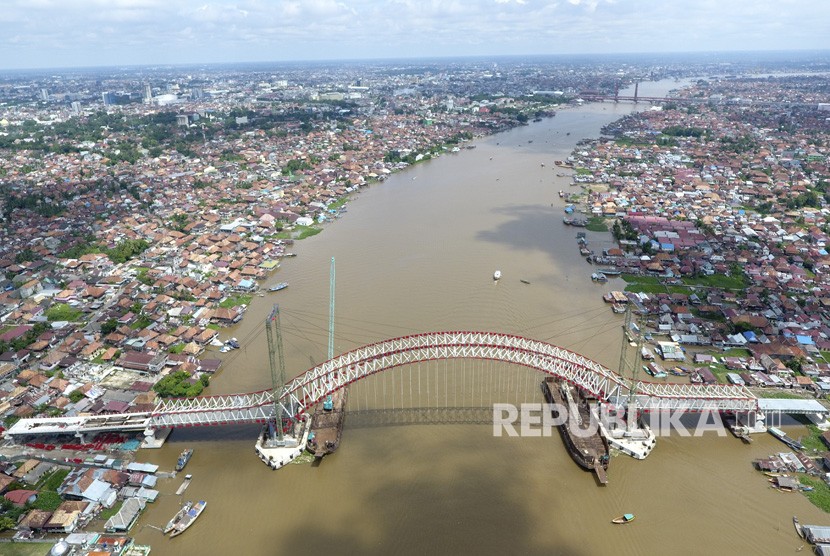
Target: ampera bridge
(294,401)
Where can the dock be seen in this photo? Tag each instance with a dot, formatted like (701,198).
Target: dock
(184,485)
(327,426)
(591,452)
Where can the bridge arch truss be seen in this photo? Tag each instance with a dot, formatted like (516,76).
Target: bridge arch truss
(305,391)
(308,389)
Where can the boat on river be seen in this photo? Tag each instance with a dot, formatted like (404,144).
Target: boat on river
(278,287)
(598,277)
(497,275)
(798,529)
(177,518)
(624,518)
(327,425)
(184,457)
(589,449)
(188,518)
(782,436)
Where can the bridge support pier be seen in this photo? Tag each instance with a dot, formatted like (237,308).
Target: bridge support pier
(753,421)
(155,438)
(820,420)
(290,447)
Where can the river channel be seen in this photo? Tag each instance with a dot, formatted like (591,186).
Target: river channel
(417,253)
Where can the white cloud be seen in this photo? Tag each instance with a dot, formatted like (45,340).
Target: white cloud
(152,31)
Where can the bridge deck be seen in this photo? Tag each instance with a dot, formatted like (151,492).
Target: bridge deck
(310,388)
(791,406)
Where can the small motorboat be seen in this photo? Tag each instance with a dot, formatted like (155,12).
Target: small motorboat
(523,281)
(278,287)
(624,518)
(497,275)
(798,529)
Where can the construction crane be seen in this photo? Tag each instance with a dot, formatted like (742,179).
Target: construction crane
(632,336)
(328,403)
(277,364)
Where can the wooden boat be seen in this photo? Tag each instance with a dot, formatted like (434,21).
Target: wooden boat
(798,528)
(176,518)
(523,281)
(188,518)
(625,518)
(278,287)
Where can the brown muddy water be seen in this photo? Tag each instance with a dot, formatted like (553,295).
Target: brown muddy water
(417,253)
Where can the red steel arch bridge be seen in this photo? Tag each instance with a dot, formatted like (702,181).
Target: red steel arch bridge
(304,392)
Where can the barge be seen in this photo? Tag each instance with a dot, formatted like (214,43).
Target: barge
(589,451)
(327,425)
(782,436)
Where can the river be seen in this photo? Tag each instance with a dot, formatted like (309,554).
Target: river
(417,253)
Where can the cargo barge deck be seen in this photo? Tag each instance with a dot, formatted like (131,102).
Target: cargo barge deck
(327,426)
(589,451)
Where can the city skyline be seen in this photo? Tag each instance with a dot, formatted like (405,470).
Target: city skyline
(54,34)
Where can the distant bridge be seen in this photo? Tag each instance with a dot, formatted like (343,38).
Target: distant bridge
(305,391)
(589,96)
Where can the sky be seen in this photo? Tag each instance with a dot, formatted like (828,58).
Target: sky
(79,33)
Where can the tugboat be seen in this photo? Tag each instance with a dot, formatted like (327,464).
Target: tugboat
(184,457)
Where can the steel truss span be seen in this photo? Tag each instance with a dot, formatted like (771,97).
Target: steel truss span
(307,390)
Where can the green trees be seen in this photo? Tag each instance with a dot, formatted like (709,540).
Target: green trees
(179,385)
(126,250)
(622,229)
(109,326)
(294,165)
(682,131)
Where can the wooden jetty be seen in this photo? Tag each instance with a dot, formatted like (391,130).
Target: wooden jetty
(184,485)
(327,426)
(591,452)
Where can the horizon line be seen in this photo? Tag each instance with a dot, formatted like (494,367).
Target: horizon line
(417,58)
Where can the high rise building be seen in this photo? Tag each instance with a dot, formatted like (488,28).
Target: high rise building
(148,93)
